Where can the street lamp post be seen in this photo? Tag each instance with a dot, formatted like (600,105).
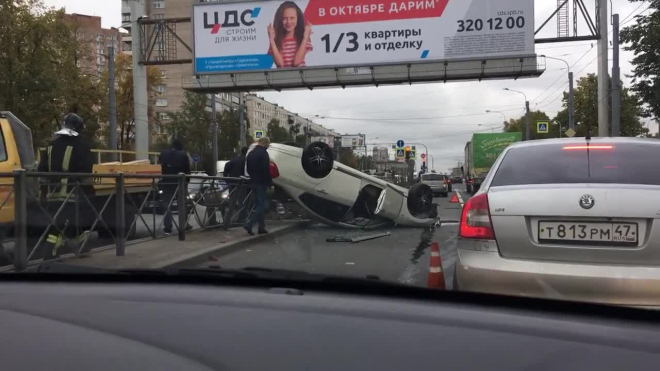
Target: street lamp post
(501,113)
(527,118)
(571,99)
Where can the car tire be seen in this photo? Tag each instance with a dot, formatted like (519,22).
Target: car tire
(468,188)
(317,160)
(420,200)
(443,194)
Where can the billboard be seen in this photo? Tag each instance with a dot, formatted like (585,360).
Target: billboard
(352,141)
(278,35)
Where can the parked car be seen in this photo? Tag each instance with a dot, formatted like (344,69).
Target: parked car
(338,195)
(573,219)
(439,183)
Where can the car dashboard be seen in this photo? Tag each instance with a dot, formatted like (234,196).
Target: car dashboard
(160,325)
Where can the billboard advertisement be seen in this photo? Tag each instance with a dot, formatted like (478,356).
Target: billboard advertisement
(267,35)
(352,141)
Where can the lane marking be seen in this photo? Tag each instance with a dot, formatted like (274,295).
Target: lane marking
(460,198)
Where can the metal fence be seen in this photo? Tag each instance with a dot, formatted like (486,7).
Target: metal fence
(48,215)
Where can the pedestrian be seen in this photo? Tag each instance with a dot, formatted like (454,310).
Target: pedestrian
(236,167)
(173,161)
(258,168)
(69,152)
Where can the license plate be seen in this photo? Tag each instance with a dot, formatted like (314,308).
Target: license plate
(618,233)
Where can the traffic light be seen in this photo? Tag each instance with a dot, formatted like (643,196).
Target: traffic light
(407,153)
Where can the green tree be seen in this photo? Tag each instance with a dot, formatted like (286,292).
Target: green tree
(39,78)
(518,125)
(124,97)
(347,157)
(586,110)
(193,126)
(642,39)
(277,133)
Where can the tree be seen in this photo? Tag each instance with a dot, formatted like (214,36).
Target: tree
(518,125)
(125,102)
(586,110)
(39,78)
(276,133)
(642,39)
(193,124)
(347,157)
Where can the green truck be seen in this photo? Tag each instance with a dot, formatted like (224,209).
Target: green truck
(481,153)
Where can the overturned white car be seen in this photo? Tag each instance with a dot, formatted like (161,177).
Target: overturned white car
(341,196)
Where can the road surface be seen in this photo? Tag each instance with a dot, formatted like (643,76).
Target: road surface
(402,257)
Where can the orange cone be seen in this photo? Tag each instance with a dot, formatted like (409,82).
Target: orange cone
(454,199)
(436,276)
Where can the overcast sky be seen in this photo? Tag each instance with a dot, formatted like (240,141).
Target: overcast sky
(447,113)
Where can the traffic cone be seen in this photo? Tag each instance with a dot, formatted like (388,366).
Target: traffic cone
(436,276)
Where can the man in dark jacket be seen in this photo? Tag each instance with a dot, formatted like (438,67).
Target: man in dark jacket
(69,152)
(236,167)
(173,161)
(258,168)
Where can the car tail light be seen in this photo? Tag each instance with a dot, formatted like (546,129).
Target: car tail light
(274,171)
(475,220)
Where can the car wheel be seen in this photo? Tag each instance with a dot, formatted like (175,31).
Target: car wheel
(317,160)
(443,194)
(420,200)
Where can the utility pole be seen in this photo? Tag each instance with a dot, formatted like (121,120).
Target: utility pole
(527,118)
(112,100)
(140,97)
(571,102)
(214,141)
(241,120)
(571,97)
(603,70)
(616,80)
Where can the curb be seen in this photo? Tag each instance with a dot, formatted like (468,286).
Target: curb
(200,257)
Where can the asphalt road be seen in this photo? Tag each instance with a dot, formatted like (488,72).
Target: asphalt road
(402,257)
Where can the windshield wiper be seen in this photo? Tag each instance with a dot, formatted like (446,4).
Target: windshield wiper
(247,273)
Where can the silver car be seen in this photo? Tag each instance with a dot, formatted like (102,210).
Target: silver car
(439,183)
(571,219)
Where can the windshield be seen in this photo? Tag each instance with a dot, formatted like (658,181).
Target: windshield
(464,145)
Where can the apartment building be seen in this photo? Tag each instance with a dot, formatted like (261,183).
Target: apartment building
(97,39)
(260,112)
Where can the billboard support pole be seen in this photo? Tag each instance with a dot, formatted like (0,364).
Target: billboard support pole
(603,73)
(616,80)
(140,96)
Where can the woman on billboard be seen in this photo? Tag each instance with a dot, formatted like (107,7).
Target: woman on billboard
(289,37)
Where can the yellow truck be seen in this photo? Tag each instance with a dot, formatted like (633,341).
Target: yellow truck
(16,153)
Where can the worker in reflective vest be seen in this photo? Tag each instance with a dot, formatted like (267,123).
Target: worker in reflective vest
(67,153)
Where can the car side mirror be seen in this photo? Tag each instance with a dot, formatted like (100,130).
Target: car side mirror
(381,202)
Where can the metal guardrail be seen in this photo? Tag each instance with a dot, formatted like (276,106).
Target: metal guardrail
(91,206)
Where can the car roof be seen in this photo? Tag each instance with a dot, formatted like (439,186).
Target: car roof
(582,140)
